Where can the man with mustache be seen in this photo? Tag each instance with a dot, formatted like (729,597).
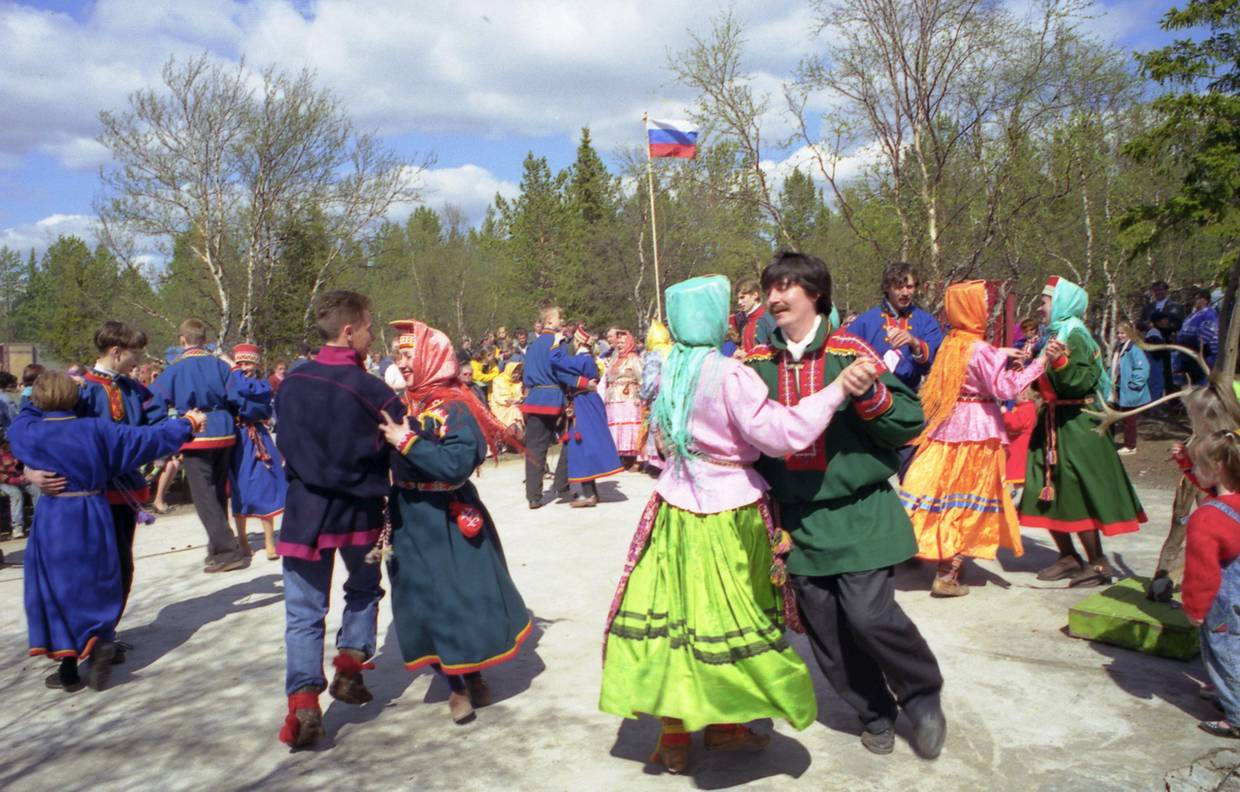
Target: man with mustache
(847,524)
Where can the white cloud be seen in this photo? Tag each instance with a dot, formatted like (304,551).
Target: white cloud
(40,234)
(846,168)
(468,187)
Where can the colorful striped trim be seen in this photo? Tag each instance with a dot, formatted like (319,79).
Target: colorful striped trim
(760,352)
(955,500)
(1087,524)
(539,409)
(599,476)
(209,443)
(469,668)
(876,405)
(407,443)
(842,342)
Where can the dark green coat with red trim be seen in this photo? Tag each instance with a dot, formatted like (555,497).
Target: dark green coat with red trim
(1089,487)
(834,497)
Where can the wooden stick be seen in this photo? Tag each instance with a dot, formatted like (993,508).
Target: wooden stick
(654,229)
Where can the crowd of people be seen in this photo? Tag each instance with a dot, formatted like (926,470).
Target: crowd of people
(800,458)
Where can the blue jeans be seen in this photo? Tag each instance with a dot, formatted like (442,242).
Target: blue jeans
(14,494)
(307,595)
(1220,654)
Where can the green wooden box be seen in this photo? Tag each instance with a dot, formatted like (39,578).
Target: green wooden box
(1121,615)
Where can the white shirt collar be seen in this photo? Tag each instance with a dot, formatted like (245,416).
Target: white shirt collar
(797,348)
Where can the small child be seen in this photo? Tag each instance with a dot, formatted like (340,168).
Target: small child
(1211,590)
(1019,421)
(13,485)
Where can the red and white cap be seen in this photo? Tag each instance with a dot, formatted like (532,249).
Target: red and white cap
(1051,283)
(406,339)
(581,335)
(246,353)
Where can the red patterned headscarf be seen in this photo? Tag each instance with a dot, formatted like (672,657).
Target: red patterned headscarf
(434,377)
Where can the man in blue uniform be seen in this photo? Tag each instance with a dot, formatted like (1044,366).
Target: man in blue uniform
(199,380)
(543,406)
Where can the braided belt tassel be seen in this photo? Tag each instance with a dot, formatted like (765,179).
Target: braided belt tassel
(382,550)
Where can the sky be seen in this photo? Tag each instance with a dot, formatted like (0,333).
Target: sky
(478,83)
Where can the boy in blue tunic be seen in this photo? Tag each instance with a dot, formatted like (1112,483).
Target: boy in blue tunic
(904,335)
(336,462)
(543,407)
(108,392)
(587,440)
(73,588)
(199,379)
(256,477)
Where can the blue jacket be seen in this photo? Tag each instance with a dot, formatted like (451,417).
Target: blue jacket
(198,379)
(544,393)
(120,399)
(1133,387)
(871,327)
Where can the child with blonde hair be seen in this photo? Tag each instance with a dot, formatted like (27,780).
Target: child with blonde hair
(1211,590)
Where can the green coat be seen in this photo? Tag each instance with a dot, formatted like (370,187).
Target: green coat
(1090,487)
(837,503)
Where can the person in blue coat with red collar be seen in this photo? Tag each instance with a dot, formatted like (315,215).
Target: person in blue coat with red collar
(256,476)
(337,465)
(591,450)
(108,392)
(543,408)
(73,589)
(199,380)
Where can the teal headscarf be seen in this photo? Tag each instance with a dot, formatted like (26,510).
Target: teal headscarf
(1068,304)
(697,315)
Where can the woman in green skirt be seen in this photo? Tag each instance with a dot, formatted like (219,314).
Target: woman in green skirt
(454,604)
(696,630)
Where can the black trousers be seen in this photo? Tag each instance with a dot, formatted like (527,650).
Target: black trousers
(124,520)
(867,647)
(540,435)
(207,474)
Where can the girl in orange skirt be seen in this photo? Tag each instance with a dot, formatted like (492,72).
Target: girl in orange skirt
(954,489)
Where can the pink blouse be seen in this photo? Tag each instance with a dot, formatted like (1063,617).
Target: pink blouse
(734,423)
(990,380)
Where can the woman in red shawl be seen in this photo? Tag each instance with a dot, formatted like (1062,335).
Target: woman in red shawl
(621,391)
(454,604)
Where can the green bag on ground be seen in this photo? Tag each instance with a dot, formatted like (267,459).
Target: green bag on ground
(1121,615)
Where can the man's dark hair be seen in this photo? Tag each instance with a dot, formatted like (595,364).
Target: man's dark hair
(1201,294)
(118,334)
(1159,284)
(336,309)
(896,273)
(31,373)
(7,381)
(808,272)
(520,331)
(748,286)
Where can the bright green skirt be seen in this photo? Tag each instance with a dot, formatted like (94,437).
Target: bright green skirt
(699,633)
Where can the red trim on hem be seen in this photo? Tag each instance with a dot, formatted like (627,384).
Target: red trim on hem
(209,443)
(876,405)
(538,409)
(61,654)
(275,513)
(328,542)
(1087,524)
(599,476)
(469,668)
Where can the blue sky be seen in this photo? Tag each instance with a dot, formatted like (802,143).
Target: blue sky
(478,83)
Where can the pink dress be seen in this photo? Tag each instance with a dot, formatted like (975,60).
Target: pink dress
(620,388)
(954,489)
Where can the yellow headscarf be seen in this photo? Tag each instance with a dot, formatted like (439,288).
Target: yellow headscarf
(658,339)
(966,308)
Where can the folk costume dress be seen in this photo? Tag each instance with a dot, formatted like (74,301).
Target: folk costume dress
(591,451)
(1074,480)
(453,601)
(954,489)
(696,629)
(912,364)
(73,586)
(256,478)
(621,390)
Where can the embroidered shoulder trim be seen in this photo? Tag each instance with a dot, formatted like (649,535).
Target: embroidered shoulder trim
(434,419)
(760,352)
(844,343)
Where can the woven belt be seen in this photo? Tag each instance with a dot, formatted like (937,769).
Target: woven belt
(78,494)
(728,463)
(429,486)
(973,397)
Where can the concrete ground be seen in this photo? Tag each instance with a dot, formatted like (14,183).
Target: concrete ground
(198,703)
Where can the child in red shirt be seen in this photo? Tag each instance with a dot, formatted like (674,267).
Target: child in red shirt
(1020,422)
(12,485)
(1211,590)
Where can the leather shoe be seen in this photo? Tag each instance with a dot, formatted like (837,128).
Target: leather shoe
(883,742)
(582,502)
(929,733)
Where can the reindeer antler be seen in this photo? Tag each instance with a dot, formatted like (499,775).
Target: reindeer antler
(1111,416)
(1192,353)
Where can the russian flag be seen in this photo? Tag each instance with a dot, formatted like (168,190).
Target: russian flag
(671,139)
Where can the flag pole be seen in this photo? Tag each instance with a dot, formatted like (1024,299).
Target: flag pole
(654,228)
